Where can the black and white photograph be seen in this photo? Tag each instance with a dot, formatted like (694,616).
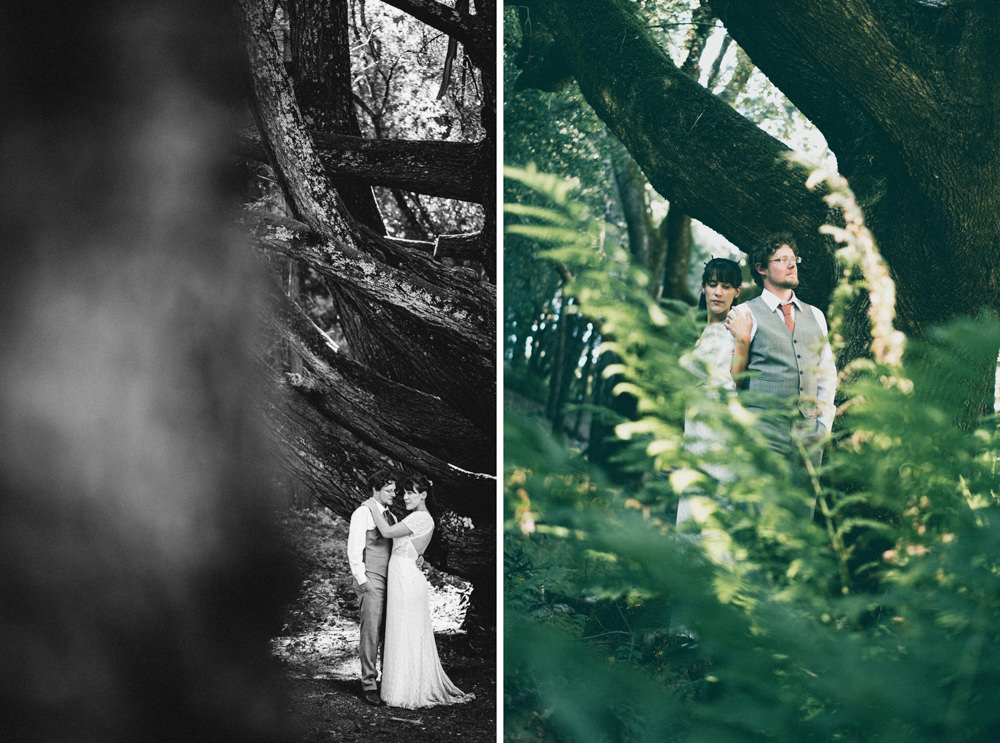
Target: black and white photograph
(249,371)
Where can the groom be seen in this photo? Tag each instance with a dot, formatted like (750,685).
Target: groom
(790,359)
(368,555)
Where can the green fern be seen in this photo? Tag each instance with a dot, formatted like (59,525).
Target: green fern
(876,622)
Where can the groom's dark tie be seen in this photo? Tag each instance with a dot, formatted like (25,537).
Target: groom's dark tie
(390,516)
(789,320)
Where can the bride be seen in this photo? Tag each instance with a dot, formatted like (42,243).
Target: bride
(718,358)
(412,675)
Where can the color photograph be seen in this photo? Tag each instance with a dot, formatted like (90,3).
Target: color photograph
(750,348)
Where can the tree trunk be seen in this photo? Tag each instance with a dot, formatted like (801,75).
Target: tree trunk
(644,241)
(453,170)
(676,234)
(321,64)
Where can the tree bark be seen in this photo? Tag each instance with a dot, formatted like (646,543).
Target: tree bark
(452,170)
(321,62)
(406,423)
(441,351)
(639,229)
(676,235)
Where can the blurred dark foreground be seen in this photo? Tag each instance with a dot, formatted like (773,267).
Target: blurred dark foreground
(140,576)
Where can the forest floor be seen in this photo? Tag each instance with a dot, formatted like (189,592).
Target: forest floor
(318,652)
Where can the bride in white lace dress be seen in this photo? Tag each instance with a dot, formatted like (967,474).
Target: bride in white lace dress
(719,356)
(412,675)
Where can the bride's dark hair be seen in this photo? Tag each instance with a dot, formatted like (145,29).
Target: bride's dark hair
(422,484)
(722,270)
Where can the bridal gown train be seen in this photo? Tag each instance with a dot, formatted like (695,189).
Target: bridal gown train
(412,675)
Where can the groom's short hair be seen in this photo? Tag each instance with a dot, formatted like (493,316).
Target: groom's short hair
(381,477)
(761,253)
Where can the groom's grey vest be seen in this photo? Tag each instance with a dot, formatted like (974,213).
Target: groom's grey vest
(781,363)
(376,554)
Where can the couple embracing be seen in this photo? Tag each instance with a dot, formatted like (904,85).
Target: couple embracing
(383,553)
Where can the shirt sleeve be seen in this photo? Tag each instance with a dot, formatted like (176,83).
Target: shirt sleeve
(361,522)
(420,523)
(826,375)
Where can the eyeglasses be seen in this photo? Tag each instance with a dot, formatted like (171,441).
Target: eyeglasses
(788,261)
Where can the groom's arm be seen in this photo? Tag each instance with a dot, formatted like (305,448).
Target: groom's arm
(356,545)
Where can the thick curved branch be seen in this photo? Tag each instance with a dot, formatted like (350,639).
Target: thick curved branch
(303,178)
(398,420)
(452,170)
(684,138)
(457,311)
(849,43)
(875,77)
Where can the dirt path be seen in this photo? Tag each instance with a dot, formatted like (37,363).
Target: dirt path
(330,708)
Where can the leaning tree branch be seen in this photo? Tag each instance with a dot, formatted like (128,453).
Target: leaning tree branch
(451,170)
(304,180)
(458,312)
(398,420)
(842,46)
(683,137)
(886,90)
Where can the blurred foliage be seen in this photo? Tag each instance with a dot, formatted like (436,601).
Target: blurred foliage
(874,621)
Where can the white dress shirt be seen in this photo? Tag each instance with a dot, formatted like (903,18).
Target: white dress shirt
(361,522)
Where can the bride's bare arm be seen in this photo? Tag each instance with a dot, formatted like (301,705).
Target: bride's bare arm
(740,324)
(384,527)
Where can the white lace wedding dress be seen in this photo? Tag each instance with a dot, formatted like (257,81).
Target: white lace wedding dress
(710,360)
(412,675)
